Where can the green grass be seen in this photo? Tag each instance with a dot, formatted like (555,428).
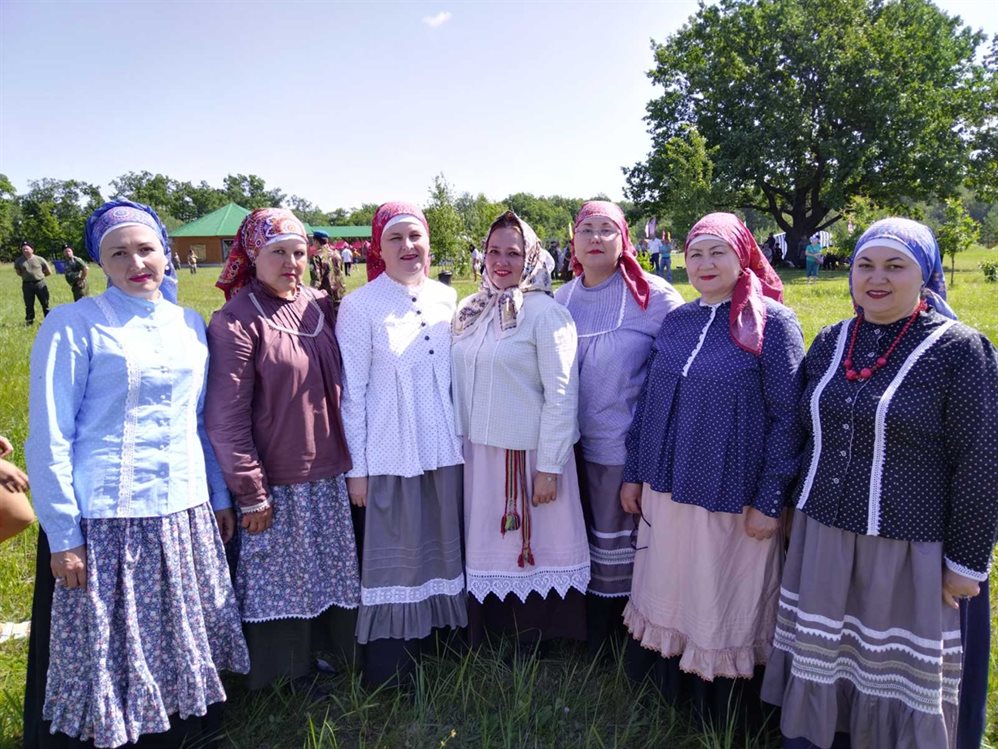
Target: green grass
(475,699)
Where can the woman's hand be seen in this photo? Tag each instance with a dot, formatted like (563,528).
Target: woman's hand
(630,498)
(758,525)
(545,488)
(226,522)
(357,490)
(70,566)
(257,522)
(12,478)
(5,447)
(957,586)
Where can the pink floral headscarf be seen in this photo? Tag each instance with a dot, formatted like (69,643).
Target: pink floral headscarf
(628,266)
(385,213)
(757,279)
(258,229)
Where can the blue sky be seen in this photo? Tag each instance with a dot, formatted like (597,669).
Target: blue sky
(341,103)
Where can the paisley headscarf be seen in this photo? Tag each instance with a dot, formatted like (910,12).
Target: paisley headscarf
(260,228)
(534,278)
(757,279)
(628,265)
(385,213)
(917,242)
(117,213)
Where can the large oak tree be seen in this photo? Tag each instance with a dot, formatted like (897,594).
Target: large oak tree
(804,104)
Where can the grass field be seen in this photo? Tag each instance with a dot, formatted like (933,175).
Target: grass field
(476,699)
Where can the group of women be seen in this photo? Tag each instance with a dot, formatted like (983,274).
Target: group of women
(601,462)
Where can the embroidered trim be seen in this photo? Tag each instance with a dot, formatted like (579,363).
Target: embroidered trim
(703,335)
(611,556)
(260,506)
(126,471)
(880,428)
(615,534)
(812,469)
(967,572)
(620,314)
(194,447)
(349,605)
(539,579)
(414,594)
(311,303)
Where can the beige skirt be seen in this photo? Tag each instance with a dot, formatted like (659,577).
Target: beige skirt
(703,589)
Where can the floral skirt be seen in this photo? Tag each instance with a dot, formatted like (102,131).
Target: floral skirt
(148,635)
(306,561)
(864,643)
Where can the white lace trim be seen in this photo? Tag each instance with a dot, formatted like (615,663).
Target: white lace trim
(601,594)
(703,335)
(537,580)
(812,469)
(620,315)
(277,617)
(967,572)
(126,471)
(880,428)
(416,594)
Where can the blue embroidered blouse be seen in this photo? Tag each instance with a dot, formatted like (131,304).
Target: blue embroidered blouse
(115,417)
(715,425)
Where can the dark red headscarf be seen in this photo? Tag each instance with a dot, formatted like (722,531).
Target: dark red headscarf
(629,267)
(258,229)
(385,213)
(757,279)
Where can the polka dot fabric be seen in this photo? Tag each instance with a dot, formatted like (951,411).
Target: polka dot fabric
(715,424)
(939,469)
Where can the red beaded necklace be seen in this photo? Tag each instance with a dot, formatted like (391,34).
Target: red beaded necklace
(867,372)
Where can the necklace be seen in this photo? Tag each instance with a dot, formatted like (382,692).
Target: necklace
(867,372)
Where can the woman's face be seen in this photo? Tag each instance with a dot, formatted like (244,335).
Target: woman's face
(598,245)
(504,257)
(280,265)
(713,269)
(134,260)
(405,248)
(886,283)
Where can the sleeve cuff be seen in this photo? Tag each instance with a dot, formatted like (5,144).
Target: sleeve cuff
(966,571)
(220,500)
(549,468)
(67,539)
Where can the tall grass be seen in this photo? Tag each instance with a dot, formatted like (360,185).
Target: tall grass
(486,698)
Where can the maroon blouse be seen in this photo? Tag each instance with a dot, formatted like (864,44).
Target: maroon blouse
(272,407)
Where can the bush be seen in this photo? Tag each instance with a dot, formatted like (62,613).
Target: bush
(990,270)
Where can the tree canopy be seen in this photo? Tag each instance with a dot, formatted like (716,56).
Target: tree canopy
(803,105)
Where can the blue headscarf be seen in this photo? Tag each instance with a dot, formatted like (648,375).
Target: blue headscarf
(116,213)
(917,242)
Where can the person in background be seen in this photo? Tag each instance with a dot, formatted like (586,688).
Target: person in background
(896,514)
(516,399)
(666,256)
(76,273)
(655,255)
(273,417)
(394,335)
(476,262)
(347,256)
(618,310)
(769,248)
(812,259)
(134,613)
(326,268)
(33,269)
(192,262)
(15,510)
(711,454)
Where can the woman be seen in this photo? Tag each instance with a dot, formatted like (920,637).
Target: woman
(897,509)
(516,395)
(125,484)
(713,444)
(273,416)
(618,310)
(394,336)
(812,259)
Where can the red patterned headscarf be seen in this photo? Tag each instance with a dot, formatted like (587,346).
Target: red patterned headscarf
(258,229)
(385,213)
(757,279)
(628,265)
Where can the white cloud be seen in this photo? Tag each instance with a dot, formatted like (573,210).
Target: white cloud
(438,20)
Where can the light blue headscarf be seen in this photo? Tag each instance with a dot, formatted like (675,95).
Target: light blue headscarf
(919,243)
(117,213)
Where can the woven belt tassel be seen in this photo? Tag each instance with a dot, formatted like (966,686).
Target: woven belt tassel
(517,511)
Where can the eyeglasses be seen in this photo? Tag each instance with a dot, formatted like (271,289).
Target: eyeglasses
(602,233)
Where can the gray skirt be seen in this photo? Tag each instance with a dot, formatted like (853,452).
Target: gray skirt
(412,571)
(612,532)
(864,644)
